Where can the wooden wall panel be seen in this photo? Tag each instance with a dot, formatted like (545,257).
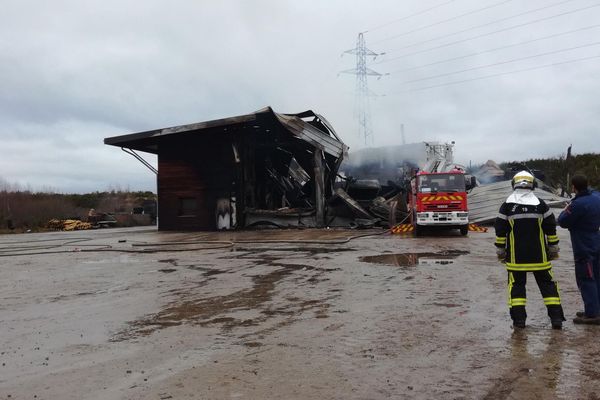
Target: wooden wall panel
(200,167)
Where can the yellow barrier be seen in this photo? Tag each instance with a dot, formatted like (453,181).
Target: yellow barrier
(402,228)
(477,228)
(408,228)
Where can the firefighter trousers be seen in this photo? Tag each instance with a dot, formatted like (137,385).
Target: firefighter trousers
(517,297)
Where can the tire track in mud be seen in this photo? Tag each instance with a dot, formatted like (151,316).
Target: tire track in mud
(546,366)
(213,310)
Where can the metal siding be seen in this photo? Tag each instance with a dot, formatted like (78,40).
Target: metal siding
(314,136)
(484,201)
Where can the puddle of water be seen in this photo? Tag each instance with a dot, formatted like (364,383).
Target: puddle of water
(213,272)
(70,297)
(222,320)
(449,305)
(414,259)
(207,271)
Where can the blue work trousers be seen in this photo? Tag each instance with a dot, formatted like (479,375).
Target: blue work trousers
(587,274)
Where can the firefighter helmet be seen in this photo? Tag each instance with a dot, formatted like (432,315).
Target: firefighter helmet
(523,180)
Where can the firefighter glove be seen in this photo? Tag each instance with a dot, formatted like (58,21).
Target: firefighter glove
(553,250)
(501,253)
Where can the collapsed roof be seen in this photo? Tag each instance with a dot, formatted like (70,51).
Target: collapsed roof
(307,126)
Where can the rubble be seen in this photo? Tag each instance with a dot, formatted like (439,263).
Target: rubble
(68,225)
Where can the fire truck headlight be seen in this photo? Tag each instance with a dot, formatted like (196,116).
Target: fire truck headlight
(462,215)
(422,215)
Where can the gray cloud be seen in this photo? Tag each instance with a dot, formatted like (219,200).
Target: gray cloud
(73,73)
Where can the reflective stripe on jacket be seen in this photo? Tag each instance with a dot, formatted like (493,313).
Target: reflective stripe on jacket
(525,231)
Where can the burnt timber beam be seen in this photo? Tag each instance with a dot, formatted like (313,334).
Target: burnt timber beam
(319,187)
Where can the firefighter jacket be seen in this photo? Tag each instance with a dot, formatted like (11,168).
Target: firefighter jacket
(582,218)
(525,229)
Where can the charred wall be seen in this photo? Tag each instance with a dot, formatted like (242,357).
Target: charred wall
(252,165)
(194,173)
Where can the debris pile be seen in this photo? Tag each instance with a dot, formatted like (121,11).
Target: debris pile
(366,203)
(68,225)
(100,220)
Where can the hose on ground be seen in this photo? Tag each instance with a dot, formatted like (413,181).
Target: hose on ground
(21,250)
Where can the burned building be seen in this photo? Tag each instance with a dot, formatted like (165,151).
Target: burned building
(263,167)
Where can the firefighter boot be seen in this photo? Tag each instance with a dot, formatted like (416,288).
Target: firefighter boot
(556,324)
(518,315)
(555,312)
(519,324)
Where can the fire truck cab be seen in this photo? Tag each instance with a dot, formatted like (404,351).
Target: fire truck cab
(439,199)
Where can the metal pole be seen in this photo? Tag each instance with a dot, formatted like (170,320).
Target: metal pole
(319,186)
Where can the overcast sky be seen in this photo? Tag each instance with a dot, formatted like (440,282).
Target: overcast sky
(75,72)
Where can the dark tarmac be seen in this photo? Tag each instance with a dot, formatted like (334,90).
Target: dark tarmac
(295,314)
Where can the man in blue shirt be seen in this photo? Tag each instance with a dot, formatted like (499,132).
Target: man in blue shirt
(582,218)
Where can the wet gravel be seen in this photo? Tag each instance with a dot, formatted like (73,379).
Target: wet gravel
(298,314)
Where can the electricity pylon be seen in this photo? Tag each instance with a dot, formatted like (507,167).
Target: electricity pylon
(363,109)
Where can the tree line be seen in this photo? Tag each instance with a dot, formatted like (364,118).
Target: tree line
(556,171)
(23,210)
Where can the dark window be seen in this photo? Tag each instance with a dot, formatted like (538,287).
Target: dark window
(187,206)
(441,183)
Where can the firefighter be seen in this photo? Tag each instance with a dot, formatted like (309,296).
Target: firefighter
(526,241)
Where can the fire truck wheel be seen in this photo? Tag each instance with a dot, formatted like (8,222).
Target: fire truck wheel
(464,230)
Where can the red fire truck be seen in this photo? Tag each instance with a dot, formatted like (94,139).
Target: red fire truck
(439,199)
(438,192)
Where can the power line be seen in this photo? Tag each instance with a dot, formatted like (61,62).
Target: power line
(496,75)
(500,63)
(490,33)
(494,49)
(409,16)
(362,90)
(444,21)
(477,27)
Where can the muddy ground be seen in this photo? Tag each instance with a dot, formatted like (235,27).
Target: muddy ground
(138,314)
